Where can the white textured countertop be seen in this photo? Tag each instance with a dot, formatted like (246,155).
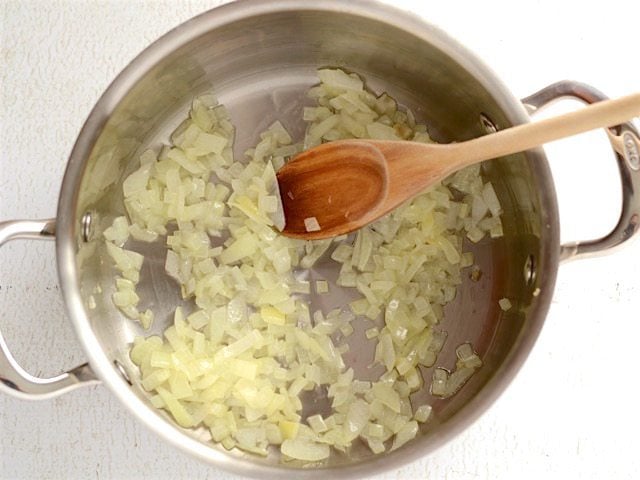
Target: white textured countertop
(571,413)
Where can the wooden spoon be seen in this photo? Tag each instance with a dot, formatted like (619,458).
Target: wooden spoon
(347,184)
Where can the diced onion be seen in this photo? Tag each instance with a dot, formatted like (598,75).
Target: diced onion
(406,433)
(422,413)
(317,423)
(118,232)
(303,449)
(505,304)
(239,363)
(322,286)
(311,224)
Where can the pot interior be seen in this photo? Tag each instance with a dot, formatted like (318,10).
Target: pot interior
(260,65)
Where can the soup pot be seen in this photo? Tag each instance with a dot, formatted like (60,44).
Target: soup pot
(259,57)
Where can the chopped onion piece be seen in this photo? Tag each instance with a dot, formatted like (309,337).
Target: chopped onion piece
(439,382)
(505,304)
(422,414)
(371,333)
(180,414)
(464,351)
(317,423)
(322,286)
(118,232)
(387,395)
(491,199)
(311,224)
(376,446)
(289,429)
(139,233)
(375,430)
(457,379)
(406,433)
(146,319)
(303,449)
(336,78)
(272,315)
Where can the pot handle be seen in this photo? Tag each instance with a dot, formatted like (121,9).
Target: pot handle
(13,379)
(626,145)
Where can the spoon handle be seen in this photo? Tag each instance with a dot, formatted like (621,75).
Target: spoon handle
(523,137)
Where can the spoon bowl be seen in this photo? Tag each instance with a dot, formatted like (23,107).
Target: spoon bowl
(308,188)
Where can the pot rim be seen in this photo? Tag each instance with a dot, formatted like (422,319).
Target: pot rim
(68,226)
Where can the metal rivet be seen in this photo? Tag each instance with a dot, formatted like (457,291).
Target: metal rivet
(530,270)
(86,226)
(488,124)
(122,371)
(631,147)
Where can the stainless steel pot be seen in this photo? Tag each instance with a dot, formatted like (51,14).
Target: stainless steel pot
(259,57)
